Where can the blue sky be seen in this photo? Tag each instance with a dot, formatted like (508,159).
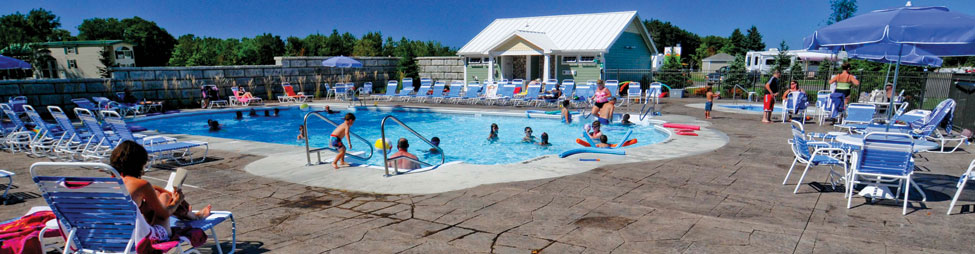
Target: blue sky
(450,22)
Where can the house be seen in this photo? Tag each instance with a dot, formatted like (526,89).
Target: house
(82,59)
(715,62)
(580,47)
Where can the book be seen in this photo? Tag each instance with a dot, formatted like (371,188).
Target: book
(176,180)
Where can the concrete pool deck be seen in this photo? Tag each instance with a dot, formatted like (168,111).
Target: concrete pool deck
(729,200)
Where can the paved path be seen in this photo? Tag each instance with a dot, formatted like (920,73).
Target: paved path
(728,200)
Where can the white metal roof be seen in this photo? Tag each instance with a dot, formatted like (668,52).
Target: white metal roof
(579,32)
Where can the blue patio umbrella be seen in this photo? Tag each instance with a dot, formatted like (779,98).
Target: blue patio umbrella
(914,33)
(342,62)
(8,63)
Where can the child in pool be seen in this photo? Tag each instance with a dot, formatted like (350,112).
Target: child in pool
(436,142)
(494,133)
(566,116)
(606,112)
(252,113)
(594,132)
(329,110)
(544,140)
(214,125)
(529,138)
(301,132)
(603,142)
(337,135)
(626,120)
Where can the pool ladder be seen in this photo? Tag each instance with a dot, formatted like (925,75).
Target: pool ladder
(386,159)
(317,151)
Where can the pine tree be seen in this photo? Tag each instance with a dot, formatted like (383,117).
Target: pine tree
(754,40)
(107,61)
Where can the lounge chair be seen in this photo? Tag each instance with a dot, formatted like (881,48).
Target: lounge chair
(583,93)
(86,104)
(99,146)
(815,153)
(421,94)
(72,142)
(159,151)
(886,159)
(239,99)
(108,104)
(406,90)
(654,92)
(505,94)
(290,95)
(366,90)
(437,92)
(614,87)
(211,97)
(858,115)
(44,141)
(962,180)
(117,225)
(18,137)
(342,90)
(16,104)
(390,90)
(530,98)
(456,87)
(470,94)
(795,104)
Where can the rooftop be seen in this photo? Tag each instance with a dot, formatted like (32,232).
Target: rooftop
(593,32)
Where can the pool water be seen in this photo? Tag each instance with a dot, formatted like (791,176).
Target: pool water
(756,108)
(463,136)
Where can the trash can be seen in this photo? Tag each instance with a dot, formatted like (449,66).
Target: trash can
(677,93)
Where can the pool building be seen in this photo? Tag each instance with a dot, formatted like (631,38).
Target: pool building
(579,47)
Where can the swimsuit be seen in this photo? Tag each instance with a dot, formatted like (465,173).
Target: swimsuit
(337,142)
(603,121)
(601,98)
(707,106)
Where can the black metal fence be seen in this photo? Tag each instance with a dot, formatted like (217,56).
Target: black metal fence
(962,90)
(921,89)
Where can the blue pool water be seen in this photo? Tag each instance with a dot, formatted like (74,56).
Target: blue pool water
(463,135)
(756,108)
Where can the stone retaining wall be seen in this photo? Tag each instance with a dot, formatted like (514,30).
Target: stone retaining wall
(441,68)
(180,86)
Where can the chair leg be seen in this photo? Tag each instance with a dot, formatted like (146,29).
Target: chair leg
(957,193)
(907,191)
(808,164)
(796,160)
(849,190)
(924,197)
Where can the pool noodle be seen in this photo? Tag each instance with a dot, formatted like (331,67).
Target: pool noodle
(682,126)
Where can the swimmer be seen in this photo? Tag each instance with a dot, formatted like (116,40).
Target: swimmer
(594,133)
(626,120)
(544,140)
(253,113)
(301,132)
(403,145)
(329,110)
(276,111)
(528,136)
(436,142)
(240,115)
(566,116)
(342,131)
(606,112)
(603,142)
(214,125)
(494,133)
(267,113)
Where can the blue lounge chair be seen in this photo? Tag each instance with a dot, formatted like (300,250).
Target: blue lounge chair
(86,104)
(962,180)
(72,142)
(471,93)
(421,93)
(456,87)
(99,145)
(405,91)
(161,151)
(582,94)
(437,92)
(795,104)
(634,92)
(814,153)
(44,141)
(99,215)
(614,87)
(16,104)
(366,89)
(504,95)
(857,116)
(390,89)
(531,97)
(886,159)
(125,110)
(18,137)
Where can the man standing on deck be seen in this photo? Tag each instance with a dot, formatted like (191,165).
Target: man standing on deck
(771,90)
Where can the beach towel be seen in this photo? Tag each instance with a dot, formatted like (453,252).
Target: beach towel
(21,235)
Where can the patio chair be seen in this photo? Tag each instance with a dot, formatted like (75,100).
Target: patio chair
(456,87)
(85,104)
(365,90)
(99,145)
(470,93)
(795,104)
(72,142)
(519,84)
(18,137)
(117,225)
(857,116)
(582,95)
(505,94)
(161,150)
(814,153)
(290,95)
(550,85)
(211,97)
(531,97)
(568,89)
(421,93)
(962,180)
(886,159)
(44,141)
(405,91)
(16,104)
(634,92)
(390,89)
(614,87)
(437,92)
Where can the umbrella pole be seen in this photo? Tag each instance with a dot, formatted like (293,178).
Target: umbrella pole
(890,108)
(887,76)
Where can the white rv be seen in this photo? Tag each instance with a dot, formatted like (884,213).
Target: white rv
(762,61)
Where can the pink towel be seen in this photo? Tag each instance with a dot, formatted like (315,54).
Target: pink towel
(21,236)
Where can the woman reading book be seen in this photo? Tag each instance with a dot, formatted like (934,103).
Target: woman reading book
(156,203)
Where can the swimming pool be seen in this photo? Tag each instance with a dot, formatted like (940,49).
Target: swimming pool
(463,134)
(755,108)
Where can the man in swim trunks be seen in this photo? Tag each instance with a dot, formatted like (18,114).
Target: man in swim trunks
(600,97)
(342,131)
(606,113)
(771,89)
(403,146)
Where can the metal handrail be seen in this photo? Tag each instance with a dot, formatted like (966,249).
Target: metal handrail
(644,111)
(382,129)
(308,149)
(734,93)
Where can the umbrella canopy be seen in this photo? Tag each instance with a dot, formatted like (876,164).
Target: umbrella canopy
(931,31)
(342,62)
(7,63)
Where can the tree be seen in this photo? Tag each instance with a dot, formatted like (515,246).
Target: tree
(753,40)
(842,9)
(665,34)
(294,47)
(710,45)
(736,72)
(371,44)
(796,72)
(101,29)
(39,25)
(736,44)
(263,48)
(672,73)
(783,59)
(153,45)
(107,60)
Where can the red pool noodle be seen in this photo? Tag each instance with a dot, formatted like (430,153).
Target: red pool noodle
(682,126)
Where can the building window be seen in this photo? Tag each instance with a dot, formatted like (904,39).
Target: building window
(570,59)
(587,59)
(71,50)
(72,64)
(123,53)
(474,60)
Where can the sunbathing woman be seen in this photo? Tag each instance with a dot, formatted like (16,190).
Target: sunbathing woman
(156,204)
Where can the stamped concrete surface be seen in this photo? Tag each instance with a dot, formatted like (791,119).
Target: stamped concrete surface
(730,200)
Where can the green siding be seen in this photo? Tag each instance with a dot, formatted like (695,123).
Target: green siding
(621,57)
(584,71)
(481,71)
